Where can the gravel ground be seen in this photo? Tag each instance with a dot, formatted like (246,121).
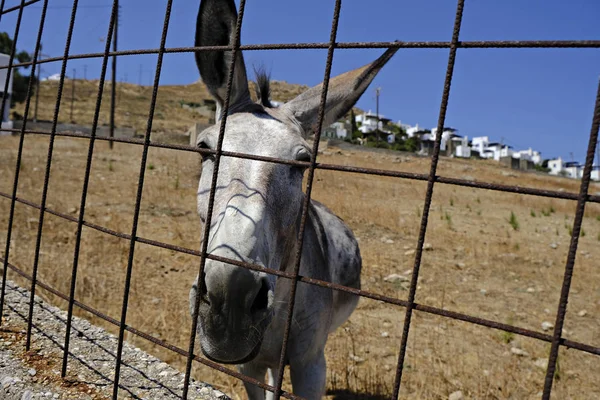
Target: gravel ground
(36,373)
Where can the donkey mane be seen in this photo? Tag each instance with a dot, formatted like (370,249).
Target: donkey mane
(263,86)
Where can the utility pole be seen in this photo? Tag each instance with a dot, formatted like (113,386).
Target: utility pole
(37,83)
(140,76)
(73,92)
(85,72)
(377,91)
(114,78)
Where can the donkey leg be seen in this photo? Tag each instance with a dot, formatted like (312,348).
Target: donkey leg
(308,377)
(257,372)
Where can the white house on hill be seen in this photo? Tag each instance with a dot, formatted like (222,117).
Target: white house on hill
(573,170)
(530,155)
(368,122)
(480,144)
(337,130)
(409,129)
(596,173)
(556,166)
(5,121)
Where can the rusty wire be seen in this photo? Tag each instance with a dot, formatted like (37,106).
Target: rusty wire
(428,197)
(556,340)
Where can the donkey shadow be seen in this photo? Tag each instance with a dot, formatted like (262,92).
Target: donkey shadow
(346,394)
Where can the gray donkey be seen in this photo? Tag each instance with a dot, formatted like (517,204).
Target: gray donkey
(256,219)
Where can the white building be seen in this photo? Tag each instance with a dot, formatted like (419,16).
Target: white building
(409,129)
(337,130)
(573,170)
(480,144)
(5,121)
(368,122)
(596,173)
(461,147)
(530,155)
(556,166)
(497,151)
(447,134)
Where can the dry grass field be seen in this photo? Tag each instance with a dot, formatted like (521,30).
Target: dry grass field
(481,261)
(133,102)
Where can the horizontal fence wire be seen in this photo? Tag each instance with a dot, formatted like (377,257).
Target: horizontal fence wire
(147,336)
(561,195)
(556,340)
(499,44)
(359,292)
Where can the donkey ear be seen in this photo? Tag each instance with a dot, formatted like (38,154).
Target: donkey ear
(215,26)
(344,91)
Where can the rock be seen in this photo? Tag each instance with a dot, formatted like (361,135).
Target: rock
(427,247)
(73,210)
(385,334)
(546,326)
(408,272)
(483,292)
(554,245)
(458,395)
(409,252)
(460,265)
(395,278)
(387,324)
(356,359)
(389,241)
(27,395)
(530,290)
(6,381)
(541,363)
(32,372)
(518,352)
(582,313)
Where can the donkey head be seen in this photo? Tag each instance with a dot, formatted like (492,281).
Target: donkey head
(257,204)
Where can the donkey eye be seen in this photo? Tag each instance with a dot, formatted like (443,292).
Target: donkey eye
(303,155)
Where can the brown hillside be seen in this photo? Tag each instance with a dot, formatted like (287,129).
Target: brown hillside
(133,103)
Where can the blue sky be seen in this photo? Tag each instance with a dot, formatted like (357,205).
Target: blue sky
(541,98)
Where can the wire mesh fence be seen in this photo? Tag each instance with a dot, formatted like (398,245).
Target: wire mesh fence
(555,339)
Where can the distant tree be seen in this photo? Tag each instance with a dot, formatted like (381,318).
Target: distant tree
(541,168)
(20,81)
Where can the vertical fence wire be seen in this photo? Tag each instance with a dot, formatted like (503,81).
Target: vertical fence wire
(236,48)
(49,163)
(564,295)
(113,88)
(235,52)
(25,116)
(11,213)
(428,197)
(86,180)
(306,203)
(138,200)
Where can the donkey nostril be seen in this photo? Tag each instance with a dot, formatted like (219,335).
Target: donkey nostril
(261,301)
(203,289)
